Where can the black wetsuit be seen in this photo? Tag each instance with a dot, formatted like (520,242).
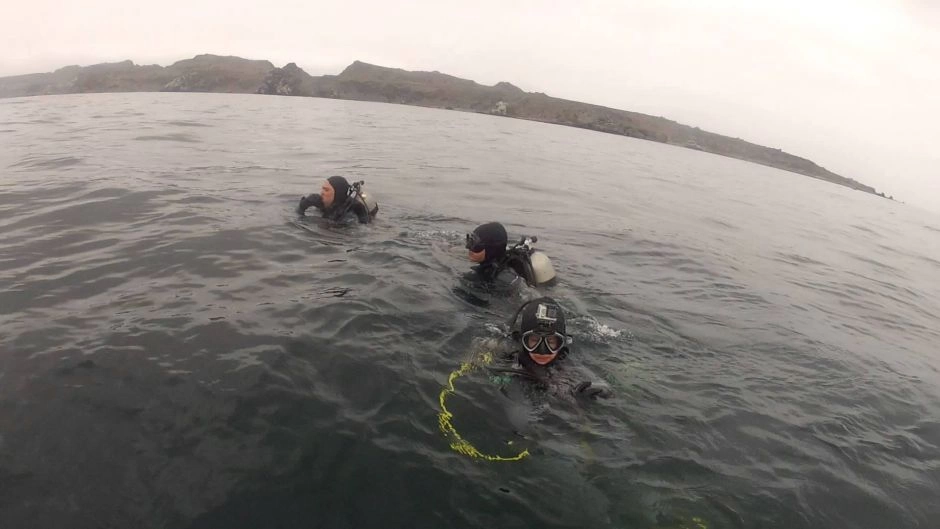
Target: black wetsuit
(493,278)
(337,212)
(559,378)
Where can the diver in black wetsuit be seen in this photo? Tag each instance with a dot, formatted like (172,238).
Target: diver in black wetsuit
(500,269)
(541,343)
(340,201)
(487,247)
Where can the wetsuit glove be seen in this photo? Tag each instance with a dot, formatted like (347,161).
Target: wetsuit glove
(593,390)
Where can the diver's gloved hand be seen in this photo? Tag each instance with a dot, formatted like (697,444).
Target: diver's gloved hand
(593,390)
(300,206)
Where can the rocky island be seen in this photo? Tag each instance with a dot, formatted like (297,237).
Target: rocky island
(366,82)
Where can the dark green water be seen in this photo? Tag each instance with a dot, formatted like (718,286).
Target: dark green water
(178,350)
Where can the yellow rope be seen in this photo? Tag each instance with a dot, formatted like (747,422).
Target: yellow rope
(458,443)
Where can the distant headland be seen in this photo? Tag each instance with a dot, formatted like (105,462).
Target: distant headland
(367,82)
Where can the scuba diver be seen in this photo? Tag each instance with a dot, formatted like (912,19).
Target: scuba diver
(537,349)
(499,268)
(540,343)
(339,201)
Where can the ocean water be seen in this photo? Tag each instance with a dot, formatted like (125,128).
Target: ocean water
(179,350)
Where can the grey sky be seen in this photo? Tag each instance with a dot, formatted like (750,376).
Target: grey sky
(853,85)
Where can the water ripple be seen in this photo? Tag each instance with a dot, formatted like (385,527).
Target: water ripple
(173,332)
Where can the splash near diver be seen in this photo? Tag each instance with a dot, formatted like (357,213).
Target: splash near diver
(458,443)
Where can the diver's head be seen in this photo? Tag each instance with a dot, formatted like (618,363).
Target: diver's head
(487,242)
(334,189)
(542,331)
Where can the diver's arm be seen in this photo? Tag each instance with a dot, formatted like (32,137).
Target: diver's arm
(587,385)
(507,280)
(309,201)
(592,389)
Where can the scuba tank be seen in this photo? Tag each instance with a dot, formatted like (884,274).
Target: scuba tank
(356,195)
(533,265)
(366,199)
(542,269)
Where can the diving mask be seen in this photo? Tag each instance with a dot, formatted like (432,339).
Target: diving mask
(473,243)
(554,342)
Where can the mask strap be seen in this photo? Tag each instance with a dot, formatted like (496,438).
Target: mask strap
(512,321)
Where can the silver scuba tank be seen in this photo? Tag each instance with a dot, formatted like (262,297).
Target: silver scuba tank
(542,269)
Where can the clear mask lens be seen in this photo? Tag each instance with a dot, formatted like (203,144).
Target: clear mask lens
(531,341)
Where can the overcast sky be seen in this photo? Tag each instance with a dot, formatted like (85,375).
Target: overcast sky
(853,85)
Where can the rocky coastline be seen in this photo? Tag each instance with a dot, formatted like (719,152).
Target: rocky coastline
(366,82)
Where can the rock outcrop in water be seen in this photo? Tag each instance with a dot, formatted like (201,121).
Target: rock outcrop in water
(367,82)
